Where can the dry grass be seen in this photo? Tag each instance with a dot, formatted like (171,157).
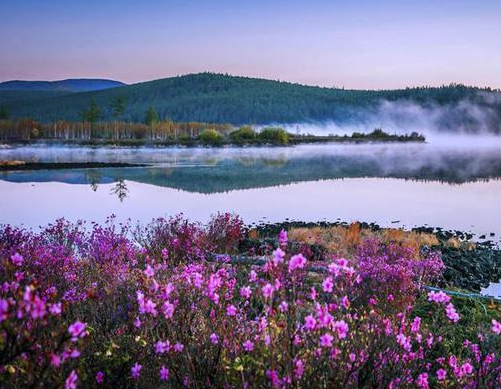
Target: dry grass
(344,240)
(11,163)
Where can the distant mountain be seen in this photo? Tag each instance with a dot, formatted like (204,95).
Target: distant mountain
(219,98)
(69,85)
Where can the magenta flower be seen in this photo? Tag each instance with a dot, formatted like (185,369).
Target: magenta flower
(422,381)
(451,313)
(55,309)
(438,297)
(178,347)
(149,272)
(327,285)
(297,262)
(310,322)
(99,377)
(136,371)
(267,290)
(168,309)
(248,346)
(245,292)
(278,256)
(71,381)
(4,309)
(214,338)
(496,327)
(231,310)
(77,330)
(342,328)
(164,373)
(326,340)
(282,238)
(441,374)
(299,368)
(17,259)
(162,347)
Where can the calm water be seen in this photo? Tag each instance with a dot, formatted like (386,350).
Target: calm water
(451,185)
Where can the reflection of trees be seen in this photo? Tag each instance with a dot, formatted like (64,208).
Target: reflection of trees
(120,189)
(93,177)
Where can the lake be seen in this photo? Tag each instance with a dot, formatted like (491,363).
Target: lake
(453,184)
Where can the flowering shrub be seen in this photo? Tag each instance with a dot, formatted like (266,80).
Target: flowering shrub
(88,308)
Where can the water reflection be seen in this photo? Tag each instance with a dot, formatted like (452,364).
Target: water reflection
(224,170)
(120,190)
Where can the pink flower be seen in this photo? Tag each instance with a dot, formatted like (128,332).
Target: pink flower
(496,327)
(214,338)
(162,347)
(310,322)
(149,272)
(327,285)
(416,324)
(77,330)
(248,346)
(297,262)
(438,297)
(245,292)
(278,256)
(165,253)
(422,381)
(17,259)
(178,347)
(283,306)
(55,308)
(168,310)
(267,290)
(441,374)
(99,377)
(451,313)
(71,381)
(466,368)
(405,342)
(55,360)
(4,309)
(326,340)
(231,310)
(342,328)
(136,371)
(273,376)
(282,238)
(299,368)
(164,373)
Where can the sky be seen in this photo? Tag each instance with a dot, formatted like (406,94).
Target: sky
(360,44)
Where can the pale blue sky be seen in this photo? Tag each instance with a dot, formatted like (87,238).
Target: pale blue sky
(351,43)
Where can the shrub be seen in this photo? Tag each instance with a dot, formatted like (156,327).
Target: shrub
(84,307)
(274,135)
(211,137)
(243,134)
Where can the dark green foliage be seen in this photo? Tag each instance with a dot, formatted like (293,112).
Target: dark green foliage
(211,137)
(4,113)
(218,98)
(274,135)
(92,114)
(118,107)
(151,116)
(243,134)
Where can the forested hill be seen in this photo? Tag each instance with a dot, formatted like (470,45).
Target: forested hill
(69,85)
(218,98)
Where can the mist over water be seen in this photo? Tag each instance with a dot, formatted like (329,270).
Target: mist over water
(482,117)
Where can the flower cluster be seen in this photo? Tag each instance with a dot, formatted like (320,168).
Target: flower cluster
(117,308)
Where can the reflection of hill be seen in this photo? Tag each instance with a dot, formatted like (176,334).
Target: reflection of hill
(234,174)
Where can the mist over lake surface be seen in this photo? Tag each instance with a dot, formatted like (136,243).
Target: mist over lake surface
(451,182)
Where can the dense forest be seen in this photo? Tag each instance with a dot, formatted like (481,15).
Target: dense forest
(218,98)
